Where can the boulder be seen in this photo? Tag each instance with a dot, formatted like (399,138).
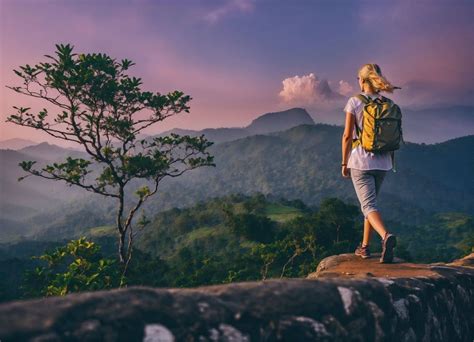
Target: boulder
(347,299)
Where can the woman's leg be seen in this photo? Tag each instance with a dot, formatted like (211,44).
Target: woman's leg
(367,185)
(376,222)
(377,218)
(367,232)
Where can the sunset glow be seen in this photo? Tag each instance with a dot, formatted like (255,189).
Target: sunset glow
(240,59)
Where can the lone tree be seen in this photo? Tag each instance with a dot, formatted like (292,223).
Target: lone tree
(103,109)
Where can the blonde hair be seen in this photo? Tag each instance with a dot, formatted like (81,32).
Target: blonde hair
(372,74)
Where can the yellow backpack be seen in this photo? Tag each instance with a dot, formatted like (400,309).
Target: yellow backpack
(382,126)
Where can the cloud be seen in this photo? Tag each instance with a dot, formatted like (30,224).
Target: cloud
(229,7)
(345,88)
(307,90)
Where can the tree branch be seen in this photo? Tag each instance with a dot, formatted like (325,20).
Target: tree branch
(90,188)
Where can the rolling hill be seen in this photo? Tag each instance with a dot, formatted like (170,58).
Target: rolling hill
(303,162)
(298,163)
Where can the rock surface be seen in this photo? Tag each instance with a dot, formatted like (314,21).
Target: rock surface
(351,266)
(466,261)
(397,302)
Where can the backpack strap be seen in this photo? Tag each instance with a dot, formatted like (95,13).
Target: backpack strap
(364,99)
(356,142)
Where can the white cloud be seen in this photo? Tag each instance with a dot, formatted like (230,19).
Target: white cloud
(345,88)
(299,89)
(230,6)
(307,90)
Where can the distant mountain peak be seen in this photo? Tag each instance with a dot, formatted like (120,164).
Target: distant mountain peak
(16,143)
(42,146)
(48,151)
(264,124)
(279,121)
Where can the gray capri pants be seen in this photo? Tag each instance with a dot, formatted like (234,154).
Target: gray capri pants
(367,186)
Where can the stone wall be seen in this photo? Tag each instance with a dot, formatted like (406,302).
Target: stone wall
(438,306)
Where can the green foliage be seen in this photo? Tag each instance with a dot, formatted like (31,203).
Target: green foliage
(467,245)
(446,237)
(256,204)
(237,244)
(101,108)
(77,266)
(302,242)
(251,226)
(146,270)
(335,221)
(196,246)
(291,256)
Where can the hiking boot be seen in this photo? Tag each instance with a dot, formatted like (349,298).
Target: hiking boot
(363,252)
(388,243)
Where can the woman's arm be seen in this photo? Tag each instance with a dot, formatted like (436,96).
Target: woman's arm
(347,139)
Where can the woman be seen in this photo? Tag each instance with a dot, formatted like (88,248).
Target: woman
(366,169)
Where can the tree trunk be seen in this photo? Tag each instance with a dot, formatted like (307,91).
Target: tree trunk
(119,223)
(122,252)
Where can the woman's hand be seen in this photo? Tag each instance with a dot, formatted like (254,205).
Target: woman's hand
(346,173)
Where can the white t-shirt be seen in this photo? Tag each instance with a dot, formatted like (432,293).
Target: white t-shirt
(359,158)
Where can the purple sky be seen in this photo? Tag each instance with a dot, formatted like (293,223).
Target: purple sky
(239,59)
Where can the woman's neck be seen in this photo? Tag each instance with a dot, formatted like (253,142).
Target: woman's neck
(371,93)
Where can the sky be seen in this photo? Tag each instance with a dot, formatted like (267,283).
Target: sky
(239,59)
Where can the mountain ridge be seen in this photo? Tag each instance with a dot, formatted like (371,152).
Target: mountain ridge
(299,163)
(16,143)
(265,123)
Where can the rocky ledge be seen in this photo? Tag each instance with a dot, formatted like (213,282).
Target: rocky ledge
(347,298)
